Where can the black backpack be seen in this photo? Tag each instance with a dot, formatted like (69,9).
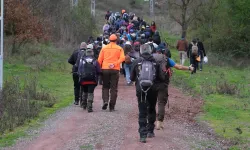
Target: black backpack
(87,69)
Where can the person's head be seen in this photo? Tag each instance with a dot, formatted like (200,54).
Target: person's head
(150,39)
(152,23)
(142,27)
(198,39)
(182,37)
(83,45)
(113,38)
(107,11)
(123,11)
(89,51)
(194,40)
(145,49)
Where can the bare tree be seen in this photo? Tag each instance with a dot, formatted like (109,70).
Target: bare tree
(184,12)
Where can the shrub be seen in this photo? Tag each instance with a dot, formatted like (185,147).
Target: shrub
(19,104)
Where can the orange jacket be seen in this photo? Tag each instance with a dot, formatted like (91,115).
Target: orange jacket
(111,54)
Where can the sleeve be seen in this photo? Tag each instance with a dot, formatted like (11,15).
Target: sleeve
(133,71)
(121,58)
(171,62)
(98,68)
(202,46)
(71,59)
(100,58)
(177,45)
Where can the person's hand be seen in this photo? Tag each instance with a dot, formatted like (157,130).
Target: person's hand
(191,68)
(111,66)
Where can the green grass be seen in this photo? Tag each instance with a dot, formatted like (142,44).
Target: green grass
(229,115)
(54,78)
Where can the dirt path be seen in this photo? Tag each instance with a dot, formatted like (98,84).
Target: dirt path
(72,128)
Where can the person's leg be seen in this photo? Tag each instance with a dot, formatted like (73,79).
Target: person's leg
(151,100)
(76,88)
(142,120)
(184,55)
(201,64)
(127,72)
(113,89)
(84,93)
(180,53)
(105,88)
(91,89)
(162,101)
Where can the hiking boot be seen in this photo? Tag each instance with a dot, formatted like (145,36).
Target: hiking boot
(76,103)
(143,140)
(151,135)
(105,106)
(111,109)
(159,125)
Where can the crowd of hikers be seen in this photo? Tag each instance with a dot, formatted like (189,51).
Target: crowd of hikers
(129,46)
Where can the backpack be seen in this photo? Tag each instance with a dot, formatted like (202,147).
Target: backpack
(194,49)
(128,59)
(147,75)
(87,69)
(163,72)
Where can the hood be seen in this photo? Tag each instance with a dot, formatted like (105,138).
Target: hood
(147,56)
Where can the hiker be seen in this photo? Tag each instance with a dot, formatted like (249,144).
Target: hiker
(88,70)
(157,38)
(166,64)
(143,72)
(106,27)
(153,27)
(182,47)
(73,61)
(202,53)
(108,14)
(110,58)
(128,61)
(163,47)
(193,54)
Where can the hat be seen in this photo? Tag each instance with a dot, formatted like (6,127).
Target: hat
(143,27)
(83,45)
(113,37)
(145,48)
(90,46)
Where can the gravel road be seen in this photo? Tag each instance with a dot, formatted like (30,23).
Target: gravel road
(74,129)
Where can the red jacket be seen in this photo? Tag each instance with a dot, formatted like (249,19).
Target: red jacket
(153,28)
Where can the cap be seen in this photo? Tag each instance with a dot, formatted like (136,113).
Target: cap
(128,43)
(113,37)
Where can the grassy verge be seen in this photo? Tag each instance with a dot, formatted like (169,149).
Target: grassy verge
(52,74)
(226,91)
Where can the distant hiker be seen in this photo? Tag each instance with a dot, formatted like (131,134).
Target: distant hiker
(128,61)
(193,54)
(110,58)
(73,61)
(182,47)
(157,38)
(153,27)
(202,53)
(165,65)
(144,74)
(91,40)
(106,27)
(108,14)
(88,70)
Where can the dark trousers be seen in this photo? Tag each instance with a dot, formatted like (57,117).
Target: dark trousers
(88,88)
(76,87)
(162,100)
(147,112)
(109,89)
(194,62)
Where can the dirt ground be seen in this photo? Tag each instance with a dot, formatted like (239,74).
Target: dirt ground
(73,128)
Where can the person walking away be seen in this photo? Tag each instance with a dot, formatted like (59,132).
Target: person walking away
(165,73)
(110,58)
(193,54)
(128,62)
(106,27)
(157,38)
(88,70)
(182,47)
(153,27)
(73,61)
(108,14)
(202,53)
(144,74)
